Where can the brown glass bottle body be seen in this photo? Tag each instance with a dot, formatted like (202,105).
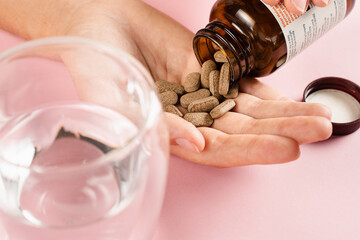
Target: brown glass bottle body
(248,33)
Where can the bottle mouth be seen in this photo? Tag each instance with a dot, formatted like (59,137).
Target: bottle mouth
(217,37)
(205,46)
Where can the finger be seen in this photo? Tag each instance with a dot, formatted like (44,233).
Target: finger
(184,134)
(257,108)
(271,2)
(296,6)
(222,150)
(256,88)
(321,3)
(302,129)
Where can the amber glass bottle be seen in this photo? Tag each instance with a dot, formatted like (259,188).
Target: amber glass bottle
(257,39)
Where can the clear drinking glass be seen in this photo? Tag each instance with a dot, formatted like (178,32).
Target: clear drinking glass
(83,143)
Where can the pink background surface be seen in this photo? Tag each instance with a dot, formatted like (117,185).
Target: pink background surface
(315,197)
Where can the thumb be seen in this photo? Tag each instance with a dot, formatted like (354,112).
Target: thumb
(184,134)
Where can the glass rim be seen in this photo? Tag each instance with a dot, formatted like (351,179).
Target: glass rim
(115,53)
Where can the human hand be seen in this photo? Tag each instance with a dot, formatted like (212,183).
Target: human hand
(264,128)
(298,6)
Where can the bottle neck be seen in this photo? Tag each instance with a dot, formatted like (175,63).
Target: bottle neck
(216,35)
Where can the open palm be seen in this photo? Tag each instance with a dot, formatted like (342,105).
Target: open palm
(264,128)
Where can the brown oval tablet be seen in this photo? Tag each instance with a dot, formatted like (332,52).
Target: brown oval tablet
(222,108)
(233,91)
(174,110)
(163,86)
(199,119)
(214,83)
(192,82)
(207,67)
(224,81)
(168,98)
(203,105)
(186,99)
(220,57)
(182,109)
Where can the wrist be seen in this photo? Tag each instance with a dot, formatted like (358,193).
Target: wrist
(98,16)
(59,16)
(38,18)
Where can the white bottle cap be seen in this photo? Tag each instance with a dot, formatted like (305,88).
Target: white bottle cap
(342,97)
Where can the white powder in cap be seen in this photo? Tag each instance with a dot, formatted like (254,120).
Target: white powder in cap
(345,108)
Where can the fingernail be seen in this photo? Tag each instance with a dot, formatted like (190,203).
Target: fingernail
(300,5)
(326,2)
(182,142)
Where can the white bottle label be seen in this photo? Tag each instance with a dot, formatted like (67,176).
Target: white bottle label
(301,31)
